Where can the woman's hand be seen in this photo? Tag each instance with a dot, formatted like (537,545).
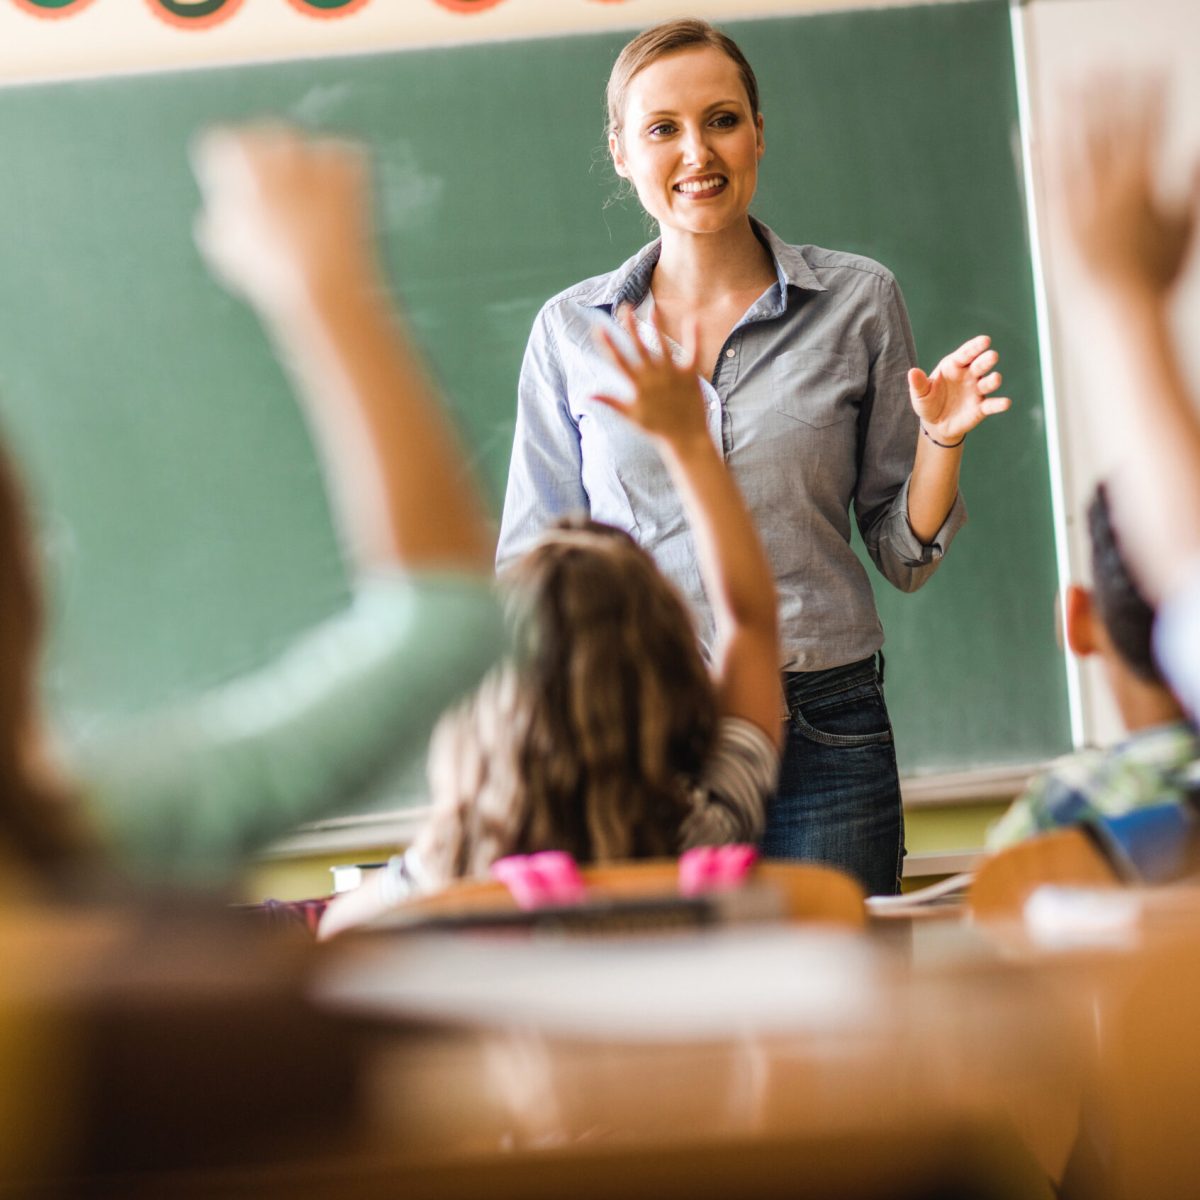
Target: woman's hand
(667,402)
(284,215)
(1125,234)
(959,393)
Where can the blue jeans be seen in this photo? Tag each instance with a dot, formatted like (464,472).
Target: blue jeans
(839,791)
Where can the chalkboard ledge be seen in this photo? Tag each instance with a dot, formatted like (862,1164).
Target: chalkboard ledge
(953,788)
(397,827)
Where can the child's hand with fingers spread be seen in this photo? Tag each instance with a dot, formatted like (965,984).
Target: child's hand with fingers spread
(1126,233)
(284,215)
(667,402)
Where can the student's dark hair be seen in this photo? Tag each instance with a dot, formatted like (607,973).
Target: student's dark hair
(1127,616)
(37,816)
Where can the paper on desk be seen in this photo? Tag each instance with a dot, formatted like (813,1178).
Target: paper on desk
(946,891)
(711,984)
(1064,918)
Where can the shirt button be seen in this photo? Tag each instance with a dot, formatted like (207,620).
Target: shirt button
(730,352)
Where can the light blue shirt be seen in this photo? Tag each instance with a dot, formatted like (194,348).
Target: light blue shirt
(809,405)
(1177,642)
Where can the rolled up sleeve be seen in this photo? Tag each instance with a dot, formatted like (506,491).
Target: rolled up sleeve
(1177,642)
(888,431)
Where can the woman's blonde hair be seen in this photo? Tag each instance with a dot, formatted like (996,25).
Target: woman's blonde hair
(669,37)
(591,737)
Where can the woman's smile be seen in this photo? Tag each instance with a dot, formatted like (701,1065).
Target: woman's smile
(703,188)
(689,142)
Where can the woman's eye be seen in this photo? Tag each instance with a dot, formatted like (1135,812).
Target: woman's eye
(725,120)
(662,129)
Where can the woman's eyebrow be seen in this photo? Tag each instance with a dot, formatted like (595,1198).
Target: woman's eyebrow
(668,112)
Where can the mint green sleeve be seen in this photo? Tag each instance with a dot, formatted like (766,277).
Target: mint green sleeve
(1020,820)
(189,792)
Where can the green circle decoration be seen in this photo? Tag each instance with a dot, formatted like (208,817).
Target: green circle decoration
(52,8)
(467,6)
(194,14)
(328,8)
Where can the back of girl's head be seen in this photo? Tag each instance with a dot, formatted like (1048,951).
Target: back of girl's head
(35,821)
(670,37)
(589,739)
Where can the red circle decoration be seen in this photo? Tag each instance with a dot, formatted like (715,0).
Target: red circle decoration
(468,6)
(194,14)
(52,12)
(328,10)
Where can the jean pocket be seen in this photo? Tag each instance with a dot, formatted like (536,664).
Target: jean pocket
(854,717)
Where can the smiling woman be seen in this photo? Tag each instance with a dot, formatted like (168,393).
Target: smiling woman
(807,371)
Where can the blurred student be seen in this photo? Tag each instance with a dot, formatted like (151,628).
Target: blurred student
(186,793)
(605,734)
(1133,247)
(1160,762)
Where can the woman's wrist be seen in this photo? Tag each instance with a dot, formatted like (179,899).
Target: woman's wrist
(940,441)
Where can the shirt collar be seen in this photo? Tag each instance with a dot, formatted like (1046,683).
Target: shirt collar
(630,282)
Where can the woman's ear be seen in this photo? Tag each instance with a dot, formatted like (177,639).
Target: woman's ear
(614,148)
(758,124)
(1079,618)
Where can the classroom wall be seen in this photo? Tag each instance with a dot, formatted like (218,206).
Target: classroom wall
(1061,39)
(42,39)
(1066,42)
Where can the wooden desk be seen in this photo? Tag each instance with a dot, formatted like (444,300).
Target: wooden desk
(755,1035)
(749,1062)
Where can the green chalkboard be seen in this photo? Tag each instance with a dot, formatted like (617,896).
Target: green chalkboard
(185,533)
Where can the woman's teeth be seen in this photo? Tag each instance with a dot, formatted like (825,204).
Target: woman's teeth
(700,185)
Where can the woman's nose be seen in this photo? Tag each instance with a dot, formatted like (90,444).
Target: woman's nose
(696,150)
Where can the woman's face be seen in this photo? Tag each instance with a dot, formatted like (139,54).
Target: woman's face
(689,143)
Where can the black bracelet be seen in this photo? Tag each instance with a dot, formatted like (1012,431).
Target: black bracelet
(943,445)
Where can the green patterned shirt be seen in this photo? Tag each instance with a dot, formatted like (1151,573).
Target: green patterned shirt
(1156,766)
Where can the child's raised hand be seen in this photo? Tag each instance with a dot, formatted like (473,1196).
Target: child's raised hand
(283,213)
(1107,194)
(667,402)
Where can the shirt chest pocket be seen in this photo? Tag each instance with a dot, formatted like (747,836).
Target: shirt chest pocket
(814,387)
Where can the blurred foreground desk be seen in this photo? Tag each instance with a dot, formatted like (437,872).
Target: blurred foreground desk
(165,1053)
(749,1061)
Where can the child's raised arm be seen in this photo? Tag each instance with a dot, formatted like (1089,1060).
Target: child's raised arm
(286,223)
(1133,246)
(668,406)
(187,792)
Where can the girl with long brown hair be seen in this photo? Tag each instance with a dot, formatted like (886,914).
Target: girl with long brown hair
(604,733)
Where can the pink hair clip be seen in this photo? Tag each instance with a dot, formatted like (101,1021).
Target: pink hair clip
(544,880)
(715,868)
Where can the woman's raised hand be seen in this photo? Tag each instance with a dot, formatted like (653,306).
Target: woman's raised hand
(284,214)
(959,393)
(667,402)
